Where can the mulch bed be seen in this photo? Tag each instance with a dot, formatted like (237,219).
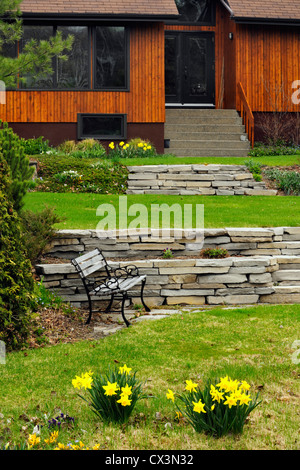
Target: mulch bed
(55,327)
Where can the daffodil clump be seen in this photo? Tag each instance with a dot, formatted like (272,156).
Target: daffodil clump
(221,407)
(135,148)
(113,396)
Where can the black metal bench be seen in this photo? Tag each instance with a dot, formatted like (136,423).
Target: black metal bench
(115,282)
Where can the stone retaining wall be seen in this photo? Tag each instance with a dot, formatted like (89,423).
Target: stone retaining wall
(229,281)
(219,180)
(277,241)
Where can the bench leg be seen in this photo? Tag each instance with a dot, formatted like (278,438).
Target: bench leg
(122,311)
(142,298)
(110,304)
(91,311)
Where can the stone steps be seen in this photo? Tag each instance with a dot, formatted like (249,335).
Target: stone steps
(204,132)
(194,179)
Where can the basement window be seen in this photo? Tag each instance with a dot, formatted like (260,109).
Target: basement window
(102,126)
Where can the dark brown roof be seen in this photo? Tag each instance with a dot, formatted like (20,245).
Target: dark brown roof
(94,7)
(266,9)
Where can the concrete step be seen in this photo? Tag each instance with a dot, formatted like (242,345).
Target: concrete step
(212,152)
(200,112)
(209,144)
(212,136)
(206,128)
(198,120)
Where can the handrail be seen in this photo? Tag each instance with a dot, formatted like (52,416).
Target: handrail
(246,112)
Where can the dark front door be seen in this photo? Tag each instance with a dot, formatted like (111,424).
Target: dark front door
(189,68)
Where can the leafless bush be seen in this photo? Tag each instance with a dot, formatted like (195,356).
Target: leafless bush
(278,124)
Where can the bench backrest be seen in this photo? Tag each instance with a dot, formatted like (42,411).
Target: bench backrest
(89,263)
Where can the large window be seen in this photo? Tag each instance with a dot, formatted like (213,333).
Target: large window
(110,57)
(195,11)
(99,58)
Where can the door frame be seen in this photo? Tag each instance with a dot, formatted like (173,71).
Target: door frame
(181,64)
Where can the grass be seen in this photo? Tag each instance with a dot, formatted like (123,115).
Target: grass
(222,211)
(252,344)
(281,160)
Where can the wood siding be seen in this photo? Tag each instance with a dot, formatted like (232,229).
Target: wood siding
(267,63)
(144,102)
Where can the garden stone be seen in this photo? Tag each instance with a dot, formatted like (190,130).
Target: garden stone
(260,278)
(232,299)
(224,278)
(196,300)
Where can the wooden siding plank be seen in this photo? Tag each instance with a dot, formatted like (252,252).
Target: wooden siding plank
(267,65)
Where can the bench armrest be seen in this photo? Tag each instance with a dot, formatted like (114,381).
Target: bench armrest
(124,271)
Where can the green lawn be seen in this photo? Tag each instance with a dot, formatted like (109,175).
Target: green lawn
(281,160)
(253,344)
(219,211)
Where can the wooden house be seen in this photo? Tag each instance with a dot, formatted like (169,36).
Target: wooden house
(134,60)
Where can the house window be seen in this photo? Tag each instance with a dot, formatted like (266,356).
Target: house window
(74,72)
(195,11)
(110,57)
(70,73)
(36,33)
(102,126)
(98,59)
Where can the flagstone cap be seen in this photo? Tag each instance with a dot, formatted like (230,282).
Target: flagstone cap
(100,7)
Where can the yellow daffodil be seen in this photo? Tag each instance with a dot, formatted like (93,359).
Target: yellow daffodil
(199,407)
(244,385)
(232,385)
(230,401)
(212,407)
(124,400)
(76,382)
(112,145)
(140,144)
(237,394)
(126,390)
(110,389)
(190,386)
(121,144)
(218,396)
(223,383)
(170,395)
(124,370)
(85,381)
(244,399)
